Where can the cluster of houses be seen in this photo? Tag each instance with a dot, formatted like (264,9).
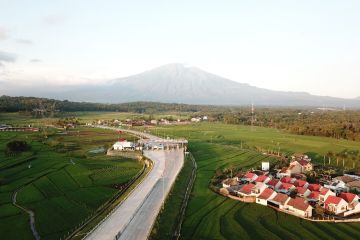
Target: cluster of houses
(291,194)
(7,128)
(138,122)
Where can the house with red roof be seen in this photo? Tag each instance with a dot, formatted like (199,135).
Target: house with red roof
(273,183)
(252,189)
(313,196)
(301,183)
(268,193)
(286,188)
(299,207)
(262,179)
(249,177)
(349,197)
(325,193)
(314,187)
(279,201)
(302,192)
(305,165)
(283,173)
(335,205)
(287,179)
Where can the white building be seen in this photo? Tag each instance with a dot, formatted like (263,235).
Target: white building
(265,166)
(123,145)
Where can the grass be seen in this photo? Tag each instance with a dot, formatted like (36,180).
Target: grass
(167,219)
(65,183)
(211,216)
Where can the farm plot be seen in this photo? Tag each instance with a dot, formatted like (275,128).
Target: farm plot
(62,188)
(211,216)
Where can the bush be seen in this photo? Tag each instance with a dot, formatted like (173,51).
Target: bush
(15,147)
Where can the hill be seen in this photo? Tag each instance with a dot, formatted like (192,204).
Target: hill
(178,83)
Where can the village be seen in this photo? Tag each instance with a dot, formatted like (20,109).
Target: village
(288,191)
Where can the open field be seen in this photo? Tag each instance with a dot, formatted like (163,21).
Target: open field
(211,216)
(59,180)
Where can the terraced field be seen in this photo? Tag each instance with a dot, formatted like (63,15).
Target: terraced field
(62,185)
(211,216)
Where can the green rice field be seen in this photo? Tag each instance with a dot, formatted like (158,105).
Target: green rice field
(59,179)
(211,216)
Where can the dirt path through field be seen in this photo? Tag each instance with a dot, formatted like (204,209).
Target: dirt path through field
(30,213)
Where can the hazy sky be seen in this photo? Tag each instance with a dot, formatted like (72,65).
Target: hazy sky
(311,46)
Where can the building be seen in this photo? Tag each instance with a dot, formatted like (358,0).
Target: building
(286,188)
(287,179)
(314,196)
(279,201)
(268,193)
(123,146)
(301,183)
(354,185)
(265,166)
(335,205)
(273,183)
(249,177)
(314,187)
(230,182)
(349,197)
(246,190)
(325,193)
(337,185)
(302,192)
(299,207)
(262,179)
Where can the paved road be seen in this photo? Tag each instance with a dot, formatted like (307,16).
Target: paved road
(133,219)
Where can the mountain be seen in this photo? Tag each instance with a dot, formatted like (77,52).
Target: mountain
(179,83)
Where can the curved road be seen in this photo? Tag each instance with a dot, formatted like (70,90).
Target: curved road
(134,217)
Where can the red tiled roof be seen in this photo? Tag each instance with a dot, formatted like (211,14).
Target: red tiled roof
(314,195)
(266,193)
(249,175)
(280,198)
(272,182)
(247,188)
(286,186)
(261,178)
(303,162)
(314,187)
(298,203)
(301,190)
(349,197)
(333,200)
(283,170)
(323,191)
(300,183)
(286,179)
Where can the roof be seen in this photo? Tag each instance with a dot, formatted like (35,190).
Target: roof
(354,184)
(281,198)
(349,197)
(324,191)
(286,186)
(247,188)
(266,193)
(300,183)
(301,190)
(272,182)
(314,195)
(333,200)
(314,187)
(345,179)
(231,181)
(283,170)
(250,175)
(261,178)
(303,162)
(299,203)
(286,179)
